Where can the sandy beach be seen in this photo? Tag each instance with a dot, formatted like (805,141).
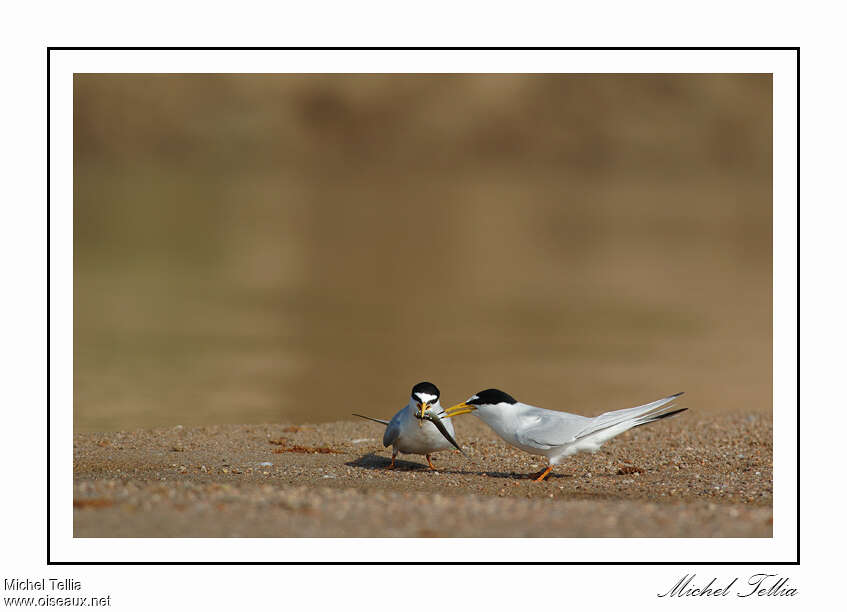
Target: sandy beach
(258,256)
(690,476)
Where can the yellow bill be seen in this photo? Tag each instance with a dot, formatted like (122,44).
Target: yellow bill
(458,409)
(423,406)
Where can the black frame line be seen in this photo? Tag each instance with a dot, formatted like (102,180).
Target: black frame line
(423,49)
(592,563)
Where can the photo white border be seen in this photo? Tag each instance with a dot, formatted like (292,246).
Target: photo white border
(781,548)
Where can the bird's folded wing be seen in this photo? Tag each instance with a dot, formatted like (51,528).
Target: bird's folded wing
(392,431)
(546,429)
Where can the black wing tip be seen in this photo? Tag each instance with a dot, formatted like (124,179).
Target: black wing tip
(662,416)
(675,395)
(671,413)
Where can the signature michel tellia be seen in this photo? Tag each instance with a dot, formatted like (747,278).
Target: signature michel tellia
(757,585)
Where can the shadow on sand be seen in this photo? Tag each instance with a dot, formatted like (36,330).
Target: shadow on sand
(372,461)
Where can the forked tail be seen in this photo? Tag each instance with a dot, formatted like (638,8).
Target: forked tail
(371,418)
(618,421)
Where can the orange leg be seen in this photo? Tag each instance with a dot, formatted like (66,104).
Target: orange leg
(429,461)
(542,475)
(391,467)
(537,474)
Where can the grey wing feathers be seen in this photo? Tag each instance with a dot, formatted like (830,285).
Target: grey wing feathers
(391,432)
(546,429)
(640,415)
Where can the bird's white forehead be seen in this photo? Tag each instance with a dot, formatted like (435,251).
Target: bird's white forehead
(472,398)
(426,397)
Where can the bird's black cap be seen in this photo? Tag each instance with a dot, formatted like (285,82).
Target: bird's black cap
(492,396)
(426,387)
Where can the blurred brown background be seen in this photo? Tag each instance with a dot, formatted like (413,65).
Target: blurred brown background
(292,248)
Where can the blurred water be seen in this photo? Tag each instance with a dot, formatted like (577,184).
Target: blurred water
(294,248)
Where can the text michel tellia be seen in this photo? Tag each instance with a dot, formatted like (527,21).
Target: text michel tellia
(758,585)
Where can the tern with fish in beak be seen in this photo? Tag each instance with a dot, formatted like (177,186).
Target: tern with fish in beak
(417,428)
(554,434)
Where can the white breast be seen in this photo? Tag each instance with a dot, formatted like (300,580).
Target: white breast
(422,437)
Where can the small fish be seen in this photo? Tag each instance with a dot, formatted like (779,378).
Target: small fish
(433,418)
